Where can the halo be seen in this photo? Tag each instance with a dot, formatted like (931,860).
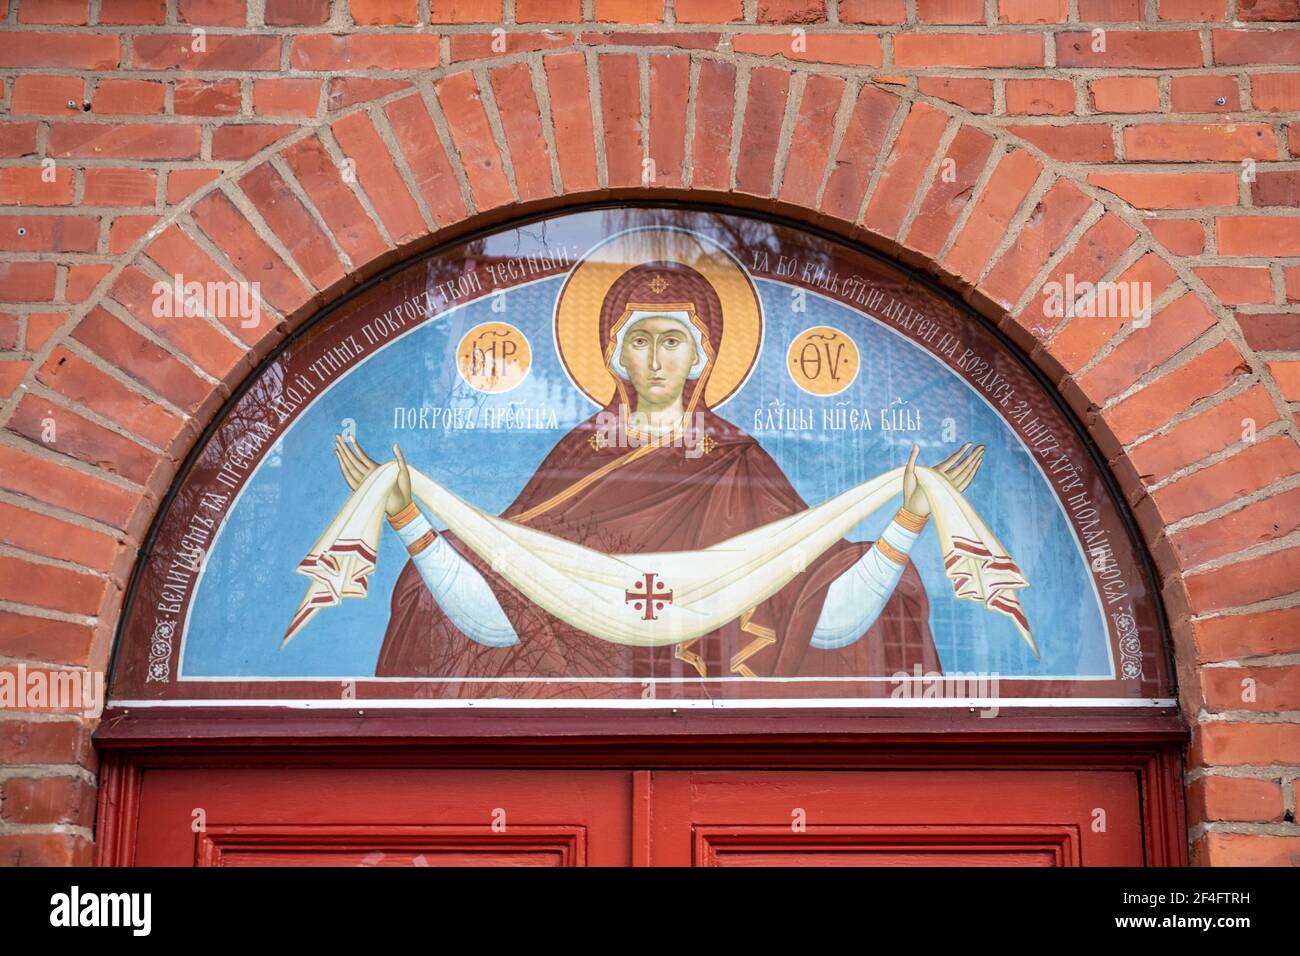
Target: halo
(577,307)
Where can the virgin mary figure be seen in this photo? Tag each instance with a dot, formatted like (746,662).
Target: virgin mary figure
(655,470)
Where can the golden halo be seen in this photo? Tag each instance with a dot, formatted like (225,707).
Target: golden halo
(577,308)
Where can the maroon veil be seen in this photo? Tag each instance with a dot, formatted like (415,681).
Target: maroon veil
(648,496)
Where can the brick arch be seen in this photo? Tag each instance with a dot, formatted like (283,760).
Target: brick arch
(312,213)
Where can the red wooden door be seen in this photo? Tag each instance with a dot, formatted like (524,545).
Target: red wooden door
(449,817)
(895,818)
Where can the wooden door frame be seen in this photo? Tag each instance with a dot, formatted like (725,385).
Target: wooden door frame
(1147,743)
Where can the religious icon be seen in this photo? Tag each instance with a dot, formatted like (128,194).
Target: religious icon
(657,539)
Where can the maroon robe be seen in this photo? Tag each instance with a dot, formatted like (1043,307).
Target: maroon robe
(663,501)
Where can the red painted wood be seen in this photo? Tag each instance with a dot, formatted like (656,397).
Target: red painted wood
(893,818)
(1011,791)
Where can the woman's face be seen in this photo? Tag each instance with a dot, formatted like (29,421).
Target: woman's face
(658,355)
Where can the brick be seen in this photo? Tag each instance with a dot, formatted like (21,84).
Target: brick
(1102,245)
(1109,11)
(1256,523)
(26,186)
(30,638)
(1287,376)
(424,154)
(17,139)
(1077,143)
(1276,188)
(465,11)
(1228,743)
(1276,92)
(620,92)
(129,97)
(33,742)
(50,586)
(334,199)
(40,534)
(27,281)
(1193,439)
(1169,190)
(1193,10)
(791,11)
(8,331)
(512,87)
(462,105)
(140,359)
(1238,286)
(1256,466)
(77,436)
(1141,49)
(557,11)
(571,117)
(120,186)
(378,176)
(48,800)
(1042,234)
(207,98)
(125,231)
(760,130)
(1033,11)
(1263,10)
(56,484)
(1232,47)
(478,46)
(1237,636)
(149,12)
(1235,798)
(347,91)
(293,225)
(287,97)
(720,11)
(628,11)
(714,108)
(383,12)
(226,226)
(1273,332)
(855,49)
(49,233)
(1268,236)
(1196,142)
(244,140)
(76,379)
(997,203)
(950,11)
(1182,237)
(1200,94)
(217,13)
(64,51)
(1240,849)
(183,183)
(69,12)
(44,849)
(1039,97)
(328,53)
(1125,94)
(805,166)
(968,50)
(1170,330)
(285,13)
(944,202)
(47,95)
(972,93)
(222,52)
(905,165)
(82,280)
(124,141)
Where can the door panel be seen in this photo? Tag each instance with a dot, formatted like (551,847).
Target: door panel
(413,817)
(332,817)
(895,818)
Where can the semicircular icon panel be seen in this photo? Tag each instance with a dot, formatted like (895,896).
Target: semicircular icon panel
(640,457)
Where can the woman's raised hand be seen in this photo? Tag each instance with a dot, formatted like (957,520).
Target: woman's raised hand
(356,466)
(959,471)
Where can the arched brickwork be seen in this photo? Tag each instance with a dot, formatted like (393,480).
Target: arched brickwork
(360,139)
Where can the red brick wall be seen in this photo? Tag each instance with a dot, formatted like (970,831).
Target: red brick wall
(1124,162)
